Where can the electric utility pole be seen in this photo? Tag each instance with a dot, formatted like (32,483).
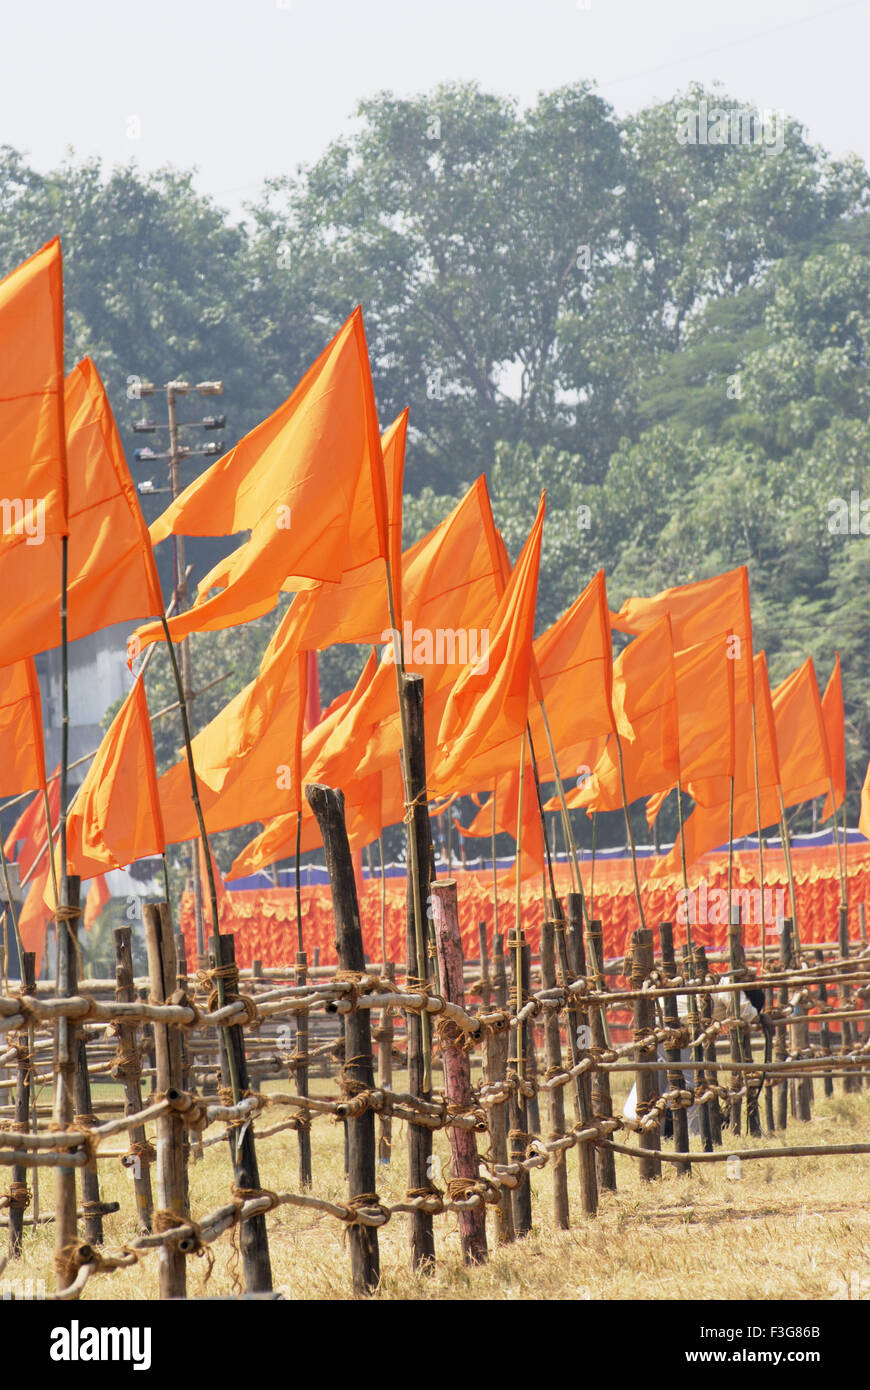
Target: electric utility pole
(174,456)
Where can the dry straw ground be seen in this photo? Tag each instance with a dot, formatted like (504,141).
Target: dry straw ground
(785,1229)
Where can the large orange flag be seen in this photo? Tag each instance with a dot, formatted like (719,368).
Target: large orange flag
(833,715)
(22,756)
(98,896)
(864,817)
(791,758)
(704,677)
(28,835)
(33,474)
(309,484)
(644,695)
(112,574)
(35,915)
(489,703)
(699,611)
(115,816)
(506,790)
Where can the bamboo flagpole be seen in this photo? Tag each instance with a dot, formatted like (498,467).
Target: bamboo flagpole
(494,871)
(300,945)
(628,828)
(758,828)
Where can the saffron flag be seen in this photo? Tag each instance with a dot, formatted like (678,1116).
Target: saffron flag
(33,472)
(98,896)
(112,576)
(506,790)
(36,914)
(489,703)
(834,718)
(705,609)
(115,816)
(309,484)
(645,696)
(28,836)
(704,677)
(22,756)
(864,817)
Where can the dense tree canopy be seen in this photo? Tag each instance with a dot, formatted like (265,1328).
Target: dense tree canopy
(671,338)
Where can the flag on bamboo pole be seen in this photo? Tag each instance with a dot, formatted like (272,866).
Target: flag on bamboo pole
(356,608)
(834,718)
(22,754)
(791,758)
(489,703)
(645,696)
(451,586)
(308,483)
(33,470)
(704,677)
(28,835)
(98,896)
(115,816)
(707,608)
(112,576)
(864,817)
(506,790)
(35,914)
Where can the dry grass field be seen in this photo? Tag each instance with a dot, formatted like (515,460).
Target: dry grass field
(786,1229)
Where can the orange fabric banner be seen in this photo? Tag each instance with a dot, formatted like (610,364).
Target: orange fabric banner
(112,574)
(22,755)
(264,920)
(834,719)
(489,703)
(33,471)
(309,484)
(708,608)
(36,913)
(704,678)
(98,896)
(29,831)
(115,818)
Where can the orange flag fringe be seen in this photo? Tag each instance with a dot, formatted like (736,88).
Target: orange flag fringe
(22,755)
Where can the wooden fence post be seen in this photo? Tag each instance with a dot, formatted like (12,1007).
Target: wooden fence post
(555,1097)
(172,1273)
(520,1133)
(384,1040)
(852,1081)
(19,1193)
(421,1233)
(571,961)
(709,1050)
(602,1102)
(676,1078)
(65,1205)
(464,1162)
(253,1236)
(495,1045)
(781,1046)
(358,1068)
(485,982)
(824,1026)
(127,1069)
(303,1131)
(642,961)
(530,1071)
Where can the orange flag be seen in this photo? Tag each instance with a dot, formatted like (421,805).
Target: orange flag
(834,717)
(489,703)
(704,677)
(506,790)
(33,473)
(356,608)
(309,484)
(864,818)
(115,816)
(112,574)
(705,609)
(36,914)
(22,756)
(98,896)
(644,695)
(29,830)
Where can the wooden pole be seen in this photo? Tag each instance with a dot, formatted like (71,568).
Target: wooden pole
(642,962)
(602,1103)
(19,1195)
(689,970)
(172,1274)
(852,1083)
(358,1068)
(825,1027)
(781,1046)
(555,1097)
(91,1206)
(464,1160)
(384,1039)
(65,1204)
(128,1070)
(253,1235)
(571,962)
(420,1171)
(495,1045)
(519,1134)
(485,985)
(709,1049)
(672,1054)
(303,1132)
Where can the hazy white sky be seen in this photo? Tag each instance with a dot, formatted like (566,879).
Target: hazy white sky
(246,89)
